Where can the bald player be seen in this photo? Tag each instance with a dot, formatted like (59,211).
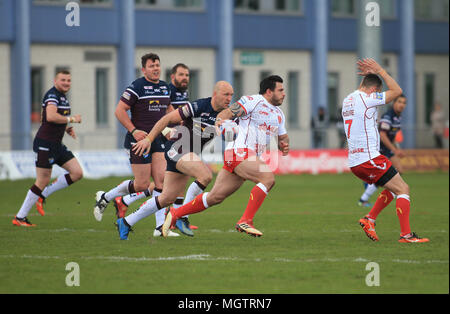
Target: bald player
(182,154)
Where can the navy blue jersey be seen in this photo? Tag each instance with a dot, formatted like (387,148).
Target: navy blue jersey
(391,123)
(199,118)
(178,97)
(50,131)
(148,102)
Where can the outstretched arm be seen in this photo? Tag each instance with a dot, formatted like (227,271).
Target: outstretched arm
(143,146)
(234,111)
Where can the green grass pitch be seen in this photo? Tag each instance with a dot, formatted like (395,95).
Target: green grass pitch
(312,243)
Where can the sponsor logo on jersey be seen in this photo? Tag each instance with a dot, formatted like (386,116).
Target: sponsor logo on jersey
(126,95)
(378,96)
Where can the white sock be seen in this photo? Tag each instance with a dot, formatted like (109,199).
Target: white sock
(160,215)
(131,198)
(120,190)
(191,193)
(59,184)
(28,203)
(146,209)
(370,189)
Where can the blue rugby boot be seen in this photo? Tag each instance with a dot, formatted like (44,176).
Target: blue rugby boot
(183,225)
(124,228)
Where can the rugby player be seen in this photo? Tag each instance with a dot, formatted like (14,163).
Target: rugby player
(148,100)
(179,97)
(360,112)
(389,126)
(260,119)
(182,154)
(56,120)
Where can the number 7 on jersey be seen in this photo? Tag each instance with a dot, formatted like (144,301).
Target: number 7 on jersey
(349,122)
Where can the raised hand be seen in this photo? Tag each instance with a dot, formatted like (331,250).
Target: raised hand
(368,66)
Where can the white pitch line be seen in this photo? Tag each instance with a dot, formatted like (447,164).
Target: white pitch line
(207,257)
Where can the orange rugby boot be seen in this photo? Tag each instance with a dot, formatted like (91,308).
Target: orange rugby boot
(369,228)
(40,206)
(22,222)
(121,208)
(412,238)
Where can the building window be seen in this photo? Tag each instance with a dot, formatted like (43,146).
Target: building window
(288,5)
(37,93)
(343,7)
(188,3)
(429,95)
(238,85)
(264,74)
(293,88)
(82,2)
(388,8)
(435,10)
(101,96)
(333,97)
(171,4)
(269,6)
(194,84)
(349,8)
(247,5)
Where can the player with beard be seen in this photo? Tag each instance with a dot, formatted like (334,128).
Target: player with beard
(259,119)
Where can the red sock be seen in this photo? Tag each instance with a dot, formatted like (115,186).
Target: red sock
(193,207)
(257,196)
(403,208)
(383,200)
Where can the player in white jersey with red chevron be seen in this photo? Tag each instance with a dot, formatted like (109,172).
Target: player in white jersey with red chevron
(260,119)
(360,113)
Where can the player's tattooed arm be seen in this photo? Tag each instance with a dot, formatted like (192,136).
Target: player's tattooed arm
(237,110)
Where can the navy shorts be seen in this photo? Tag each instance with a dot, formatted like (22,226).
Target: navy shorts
(50,153)
(386,152)
(158,146)
(173,156)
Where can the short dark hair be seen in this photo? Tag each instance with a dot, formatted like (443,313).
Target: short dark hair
(269,82)
(62,71)
(179,65)
(149,56)
(371,80)
(401,96)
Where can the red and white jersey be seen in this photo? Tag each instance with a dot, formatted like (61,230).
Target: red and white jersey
(360,115)
(258,125)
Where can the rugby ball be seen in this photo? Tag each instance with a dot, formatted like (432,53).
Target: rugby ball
(229,130)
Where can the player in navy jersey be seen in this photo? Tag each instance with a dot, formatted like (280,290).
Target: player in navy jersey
(148,100)
(179,96)
(49,149)
(183,153)
(389,125)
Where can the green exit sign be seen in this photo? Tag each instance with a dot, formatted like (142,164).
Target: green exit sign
(252,58)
